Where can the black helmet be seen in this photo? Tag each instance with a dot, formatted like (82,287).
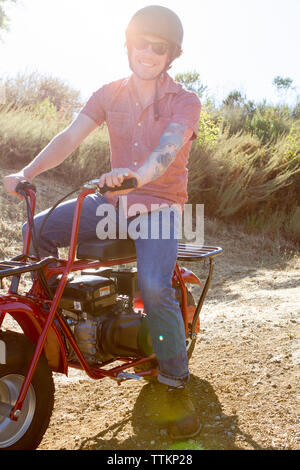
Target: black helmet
(157,21)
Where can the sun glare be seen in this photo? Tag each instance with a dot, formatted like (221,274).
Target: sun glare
(83,42)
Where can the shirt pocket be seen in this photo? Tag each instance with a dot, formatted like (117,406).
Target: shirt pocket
(119,126)
(155,131)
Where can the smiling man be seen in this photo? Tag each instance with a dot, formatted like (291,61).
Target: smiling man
(152,121)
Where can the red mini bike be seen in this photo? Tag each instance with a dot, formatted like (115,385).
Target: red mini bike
(93,321)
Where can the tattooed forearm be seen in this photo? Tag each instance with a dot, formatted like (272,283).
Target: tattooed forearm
(165,153)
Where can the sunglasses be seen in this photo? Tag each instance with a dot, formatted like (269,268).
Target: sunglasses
(159,48)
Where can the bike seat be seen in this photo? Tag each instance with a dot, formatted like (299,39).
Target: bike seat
(106,250)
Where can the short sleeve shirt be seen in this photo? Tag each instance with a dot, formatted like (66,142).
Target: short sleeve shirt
(134,134)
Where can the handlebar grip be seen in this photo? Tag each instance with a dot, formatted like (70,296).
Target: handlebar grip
(129,183)
(23,185)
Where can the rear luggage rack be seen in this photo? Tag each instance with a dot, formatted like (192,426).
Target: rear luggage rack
(190,252)
(13,267)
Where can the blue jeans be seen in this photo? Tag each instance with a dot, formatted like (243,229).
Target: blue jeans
(156,259)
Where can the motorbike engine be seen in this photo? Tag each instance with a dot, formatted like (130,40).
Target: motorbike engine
(98,307)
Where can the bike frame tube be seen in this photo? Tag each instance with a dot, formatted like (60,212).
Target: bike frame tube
(2,316)
(68,266)
(203,295)
(27,237)
(184,298)
(26,244)
(55,302)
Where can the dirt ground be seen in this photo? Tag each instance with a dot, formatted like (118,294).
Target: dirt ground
(244,370)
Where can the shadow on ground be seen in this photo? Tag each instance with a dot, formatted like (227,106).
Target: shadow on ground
(219,431)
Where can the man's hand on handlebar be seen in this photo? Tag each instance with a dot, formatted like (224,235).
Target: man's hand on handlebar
(10,182)
(116,177)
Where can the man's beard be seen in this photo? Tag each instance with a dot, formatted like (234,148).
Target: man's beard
(160,74)
(141,77)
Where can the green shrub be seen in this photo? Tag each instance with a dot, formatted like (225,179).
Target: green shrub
(208,129)
(268,124)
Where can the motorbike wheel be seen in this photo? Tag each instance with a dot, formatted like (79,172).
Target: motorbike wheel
(190,342)
(28,431)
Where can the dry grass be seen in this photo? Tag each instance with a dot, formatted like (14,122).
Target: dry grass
(242,180)
(23,135)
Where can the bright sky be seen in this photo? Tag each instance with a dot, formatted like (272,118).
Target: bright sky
(233,44)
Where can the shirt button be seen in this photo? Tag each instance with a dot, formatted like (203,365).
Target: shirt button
(137,104)
(135,163)
(136,144)
(139,124)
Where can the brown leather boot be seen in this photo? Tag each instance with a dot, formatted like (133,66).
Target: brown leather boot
(184,421)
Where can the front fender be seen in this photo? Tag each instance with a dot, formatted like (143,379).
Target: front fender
(31,318)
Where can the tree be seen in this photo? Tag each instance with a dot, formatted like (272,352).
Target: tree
(283,84)
(4,20)
(26,91)
(191,81)
(233,99)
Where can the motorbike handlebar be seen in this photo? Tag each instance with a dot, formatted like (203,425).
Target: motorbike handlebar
(23,185)
(129,183)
